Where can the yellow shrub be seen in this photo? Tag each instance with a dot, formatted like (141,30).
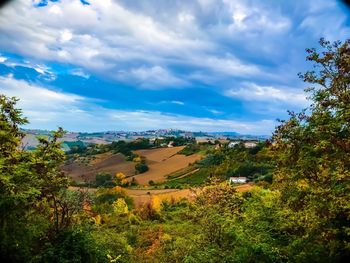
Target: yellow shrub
(137,159)
(120,207)
(156,203)
(120,176)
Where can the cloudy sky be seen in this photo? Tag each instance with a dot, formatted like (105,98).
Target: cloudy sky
(209,65)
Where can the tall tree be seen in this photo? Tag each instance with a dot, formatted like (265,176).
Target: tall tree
(28,180)
(313,153)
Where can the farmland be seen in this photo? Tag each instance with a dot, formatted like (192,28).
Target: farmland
(85,169)
(163,161)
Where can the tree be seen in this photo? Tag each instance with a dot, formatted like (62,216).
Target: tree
(17,183)
(34,205)
(120,179)
(104,180)
(141,167)
(313,149)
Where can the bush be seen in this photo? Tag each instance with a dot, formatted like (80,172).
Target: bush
(141,167)
(104,180)
(72,246)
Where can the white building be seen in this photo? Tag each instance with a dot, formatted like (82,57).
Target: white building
(238,180)
(232,144)
(250,144)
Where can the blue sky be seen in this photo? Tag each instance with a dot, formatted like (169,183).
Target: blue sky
(201,65)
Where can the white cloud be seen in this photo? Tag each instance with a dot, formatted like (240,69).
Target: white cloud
(318,26)
(249,91)
(248,18)
(152,77)
(2,59)
(106,37)
(66,35)
(228,65)
(216,112)
(79,72)
(42,69)
(177,102)
(55,10)
(172,102)
(48,109)
(38,102)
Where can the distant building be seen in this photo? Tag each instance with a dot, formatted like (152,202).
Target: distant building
(238,180)
(171,144)
(232,144)
(250,144)
(203,140)
(223,140)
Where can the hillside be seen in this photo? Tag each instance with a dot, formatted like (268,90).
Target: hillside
(162,162)
(85,169)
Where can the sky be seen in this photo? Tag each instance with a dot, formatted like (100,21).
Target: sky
(197,65)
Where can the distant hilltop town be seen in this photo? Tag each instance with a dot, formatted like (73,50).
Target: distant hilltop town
(30,140)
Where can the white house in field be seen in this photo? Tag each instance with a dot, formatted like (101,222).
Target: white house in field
(250,144)
(232,144)
(238,180)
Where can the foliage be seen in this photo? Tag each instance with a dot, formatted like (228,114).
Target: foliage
(190,149)
(141,167)
(177,141)
(312,149)
(73,246)
(35,206)
(76,147)
(127,148)
(104,180)
(120,179)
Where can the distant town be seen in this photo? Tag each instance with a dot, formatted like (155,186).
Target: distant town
(30,140)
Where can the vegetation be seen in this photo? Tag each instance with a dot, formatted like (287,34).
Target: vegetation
(140,166)
(299,213)
(126,148)
(254,163)
(176,141)
(190,149)
(36,209)
(104,180)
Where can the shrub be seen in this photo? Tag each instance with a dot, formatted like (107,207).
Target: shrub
(104,180)
(141,167)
